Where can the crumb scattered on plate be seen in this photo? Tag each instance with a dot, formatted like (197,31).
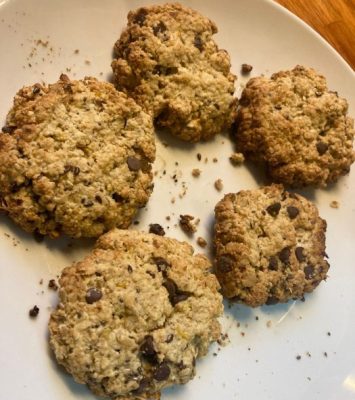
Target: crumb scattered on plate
(218,184)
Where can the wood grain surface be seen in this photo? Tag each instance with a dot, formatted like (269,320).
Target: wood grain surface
(333,19)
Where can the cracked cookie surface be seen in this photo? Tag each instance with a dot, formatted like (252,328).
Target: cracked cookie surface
(167,60)
(135,315)
(270,246)
(76,158)
(299,128)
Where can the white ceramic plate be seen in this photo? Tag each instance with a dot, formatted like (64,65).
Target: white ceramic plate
(260,362)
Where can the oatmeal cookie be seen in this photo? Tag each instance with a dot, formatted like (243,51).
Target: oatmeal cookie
(75,158)
(168,62)
(135,315)
(299,128)
(270,246)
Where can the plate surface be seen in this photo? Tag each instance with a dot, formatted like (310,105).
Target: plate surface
(38,42)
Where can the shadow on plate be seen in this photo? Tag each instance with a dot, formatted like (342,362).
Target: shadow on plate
(62,244)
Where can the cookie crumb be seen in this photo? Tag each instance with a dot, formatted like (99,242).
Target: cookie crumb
(223,340)
(298,357)
(156,229)
(218,184)
(87,62)
(199,157)
(246,69)
(236,158)
(187,223)
(334,204)
(325,354)
(215,159)
(41,281)
(268,324)
(196,172)
(52,285)
(76,51)
(201,241)
(33,312)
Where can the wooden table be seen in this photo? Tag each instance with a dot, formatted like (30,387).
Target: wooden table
(333,19)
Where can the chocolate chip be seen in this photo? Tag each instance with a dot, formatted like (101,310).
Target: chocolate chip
(52,284)
(198,42)
(98,199)
(64,78)
(118,198)
(160,28)
(284,255)
(87,203)
(72,168)
(309,271)
(321,148)
(147,348)
(199,156)
(273,263)
(9,128)
(161,70)
(129,269)
(36,90)
(156,229)
(162,372)
(299,254)
(271,300)
(274,209)
(161,264)
(143,384)
(140,16)
(180,296)
(175,294)
(224,264)
(93,295)
(292,212)
(246,69)
(33,312)
(171,287)
(169,338)
(134,164)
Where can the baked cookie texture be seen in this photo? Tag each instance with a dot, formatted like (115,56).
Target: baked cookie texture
(76,158)
(270,246)
(299,128)
(167,60)
(135,315)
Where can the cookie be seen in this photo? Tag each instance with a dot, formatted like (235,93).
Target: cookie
(135,315)
(167,60)
(299,128)
(76,158)
(270,246)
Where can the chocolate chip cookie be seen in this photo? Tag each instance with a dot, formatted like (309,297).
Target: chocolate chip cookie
(135,315)
(75,158)
(299,128)
(270,246)
(167,60)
